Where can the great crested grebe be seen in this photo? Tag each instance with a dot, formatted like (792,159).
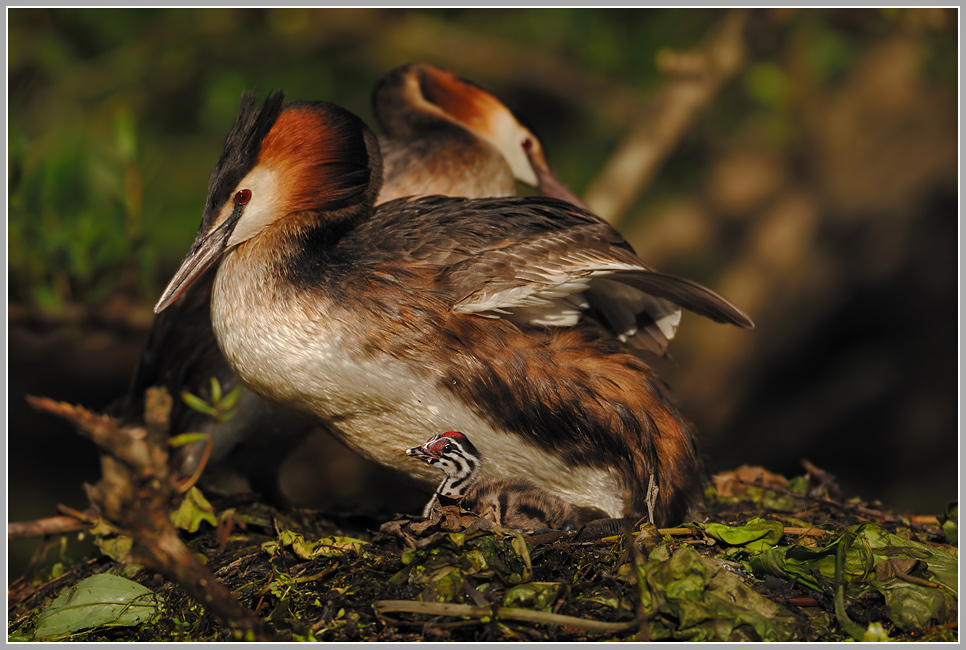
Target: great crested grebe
(446,136)
(439,313)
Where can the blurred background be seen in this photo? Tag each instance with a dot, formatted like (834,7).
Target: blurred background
(801,162)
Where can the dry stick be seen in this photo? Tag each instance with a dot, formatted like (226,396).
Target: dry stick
(926,520)
(643,632)
(186,484)
(88,516)
(787,530)
(47,526)
(805,532)
(695,79)
(68,521)
(135,495)
(506,613)
(917,581)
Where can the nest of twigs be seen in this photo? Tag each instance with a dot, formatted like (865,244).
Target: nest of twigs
(772,559)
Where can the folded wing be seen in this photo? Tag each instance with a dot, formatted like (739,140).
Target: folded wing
(559,277)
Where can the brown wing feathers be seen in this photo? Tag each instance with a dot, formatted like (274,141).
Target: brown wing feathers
(688,294)
(530,251)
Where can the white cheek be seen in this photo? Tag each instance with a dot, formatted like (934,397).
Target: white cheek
(507,136)
(262,209)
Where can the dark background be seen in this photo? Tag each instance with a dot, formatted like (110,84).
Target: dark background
(817,189)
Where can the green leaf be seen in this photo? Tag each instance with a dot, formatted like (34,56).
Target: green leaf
(950,523)
(47,297)
(708,602)
(97,601)
(215,391)
(183,439)
(533,595)
(228,403)
(444,585)
(520,546)
(757,535)
(116,547)
(125,130)
(326,547)
(193,510)
(928,592)
(797,484)
(197,403)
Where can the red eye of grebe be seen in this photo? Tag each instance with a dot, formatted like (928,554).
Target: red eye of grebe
(243,196)
(527,144)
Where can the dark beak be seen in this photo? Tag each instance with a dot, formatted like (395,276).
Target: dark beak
(418,452)
(205,251)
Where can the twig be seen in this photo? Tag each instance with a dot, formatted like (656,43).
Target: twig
(674,532)
(788,530)
(87,516)
(47,526)
(186,484)
(925,520)
(917,581)
(68,521)
(317,576)
(807,532)
(135,495)
(643,633)
(505,613)
(696,77)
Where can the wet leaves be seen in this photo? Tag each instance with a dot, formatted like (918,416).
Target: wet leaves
(326,547)
(193,510)
(916,580)
(950,523)
(695,598)
(797,574)
(757,535)
(442,563)
(97,601)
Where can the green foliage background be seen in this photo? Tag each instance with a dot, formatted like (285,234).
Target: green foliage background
(116,115)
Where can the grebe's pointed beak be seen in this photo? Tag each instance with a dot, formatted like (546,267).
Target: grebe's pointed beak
(421,453)
(205,251)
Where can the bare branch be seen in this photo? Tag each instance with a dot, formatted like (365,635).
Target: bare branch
(695,78)
(47,526)
(507,613)
(136,494)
